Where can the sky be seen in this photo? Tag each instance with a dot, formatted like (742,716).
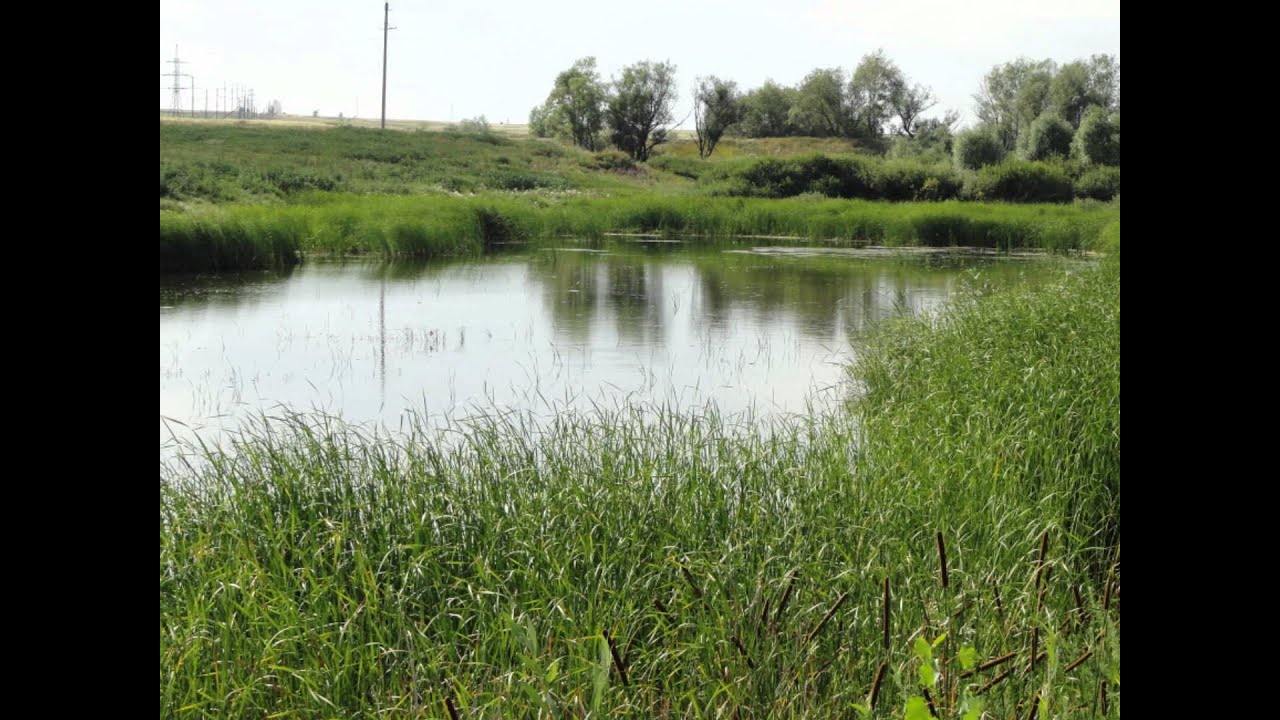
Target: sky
(450,60)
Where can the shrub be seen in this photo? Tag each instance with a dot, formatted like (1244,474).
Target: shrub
(906,180)
(1101,183)
(1048,136)
(977,148)
(1097,142)
(1019,181)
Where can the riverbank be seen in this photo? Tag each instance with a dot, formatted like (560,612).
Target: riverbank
(952,535)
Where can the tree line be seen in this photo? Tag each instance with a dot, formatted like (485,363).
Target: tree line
(1034,109)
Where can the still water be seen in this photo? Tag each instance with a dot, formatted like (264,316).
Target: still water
(760,330)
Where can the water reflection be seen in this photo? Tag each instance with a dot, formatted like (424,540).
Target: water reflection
(542,330)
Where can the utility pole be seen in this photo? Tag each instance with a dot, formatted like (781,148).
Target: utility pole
(386,26)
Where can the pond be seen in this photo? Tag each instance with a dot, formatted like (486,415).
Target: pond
(736,328)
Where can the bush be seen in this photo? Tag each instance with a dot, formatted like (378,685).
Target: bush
(611,161)
(1102,183)
(977,148)
(844,177)
(1097,142)
(1018,181)
(687,167)
(906,180)
(474,125)
(1048,136)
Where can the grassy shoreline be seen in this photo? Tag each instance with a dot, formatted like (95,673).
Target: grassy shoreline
(249,197)
(235,237)
(615,565)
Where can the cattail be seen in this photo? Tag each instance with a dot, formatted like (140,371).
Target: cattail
(1075,664)
(886,612)
(448,705)
(688,577)
(1035,706)
(1035,647)
(994,680)
(738,644)
(1082,615)
(826,618)
(617,660)
(942,561)
(875,686)
(990,664)
(995,590)
(929,699)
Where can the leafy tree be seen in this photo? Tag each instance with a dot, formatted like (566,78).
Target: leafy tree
(765,110)
(575,107)
(977,148)
(1012,95)
(1104,80)
(819,107)
(871,92)
(933,142)
(908,101)
(540,122)
(640,106)
(1097,141)
(716,106)
(1083,84)
(1048,136)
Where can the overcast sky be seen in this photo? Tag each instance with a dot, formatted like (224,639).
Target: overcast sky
(449,59)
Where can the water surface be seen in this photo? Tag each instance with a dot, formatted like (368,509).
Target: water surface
(765,330)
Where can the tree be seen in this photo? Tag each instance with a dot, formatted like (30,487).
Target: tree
(1104,81)
(1083,84)
(716,106)
(908,102)
(1070,94)
(575,107)
(871,93)
(540,122)
(765,110)
(1012,95)
(976,148)
(1048,136)
(640,106)
(819,107)
(1097,141)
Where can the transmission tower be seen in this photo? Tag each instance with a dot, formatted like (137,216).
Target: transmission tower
(175,102)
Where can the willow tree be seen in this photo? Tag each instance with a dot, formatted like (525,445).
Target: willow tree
(640,108)
(716,106)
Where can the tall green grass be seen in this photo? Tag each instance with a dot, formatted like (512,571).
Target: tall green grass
(658,564)
(431,226)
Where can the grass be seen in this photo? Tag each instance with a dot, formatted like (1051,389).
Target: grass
(256,195)
(647,563)
(250,236)
(233,163)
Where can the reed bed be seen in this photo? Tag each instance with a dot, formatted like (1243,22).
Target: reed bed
(259,236)
(945,546)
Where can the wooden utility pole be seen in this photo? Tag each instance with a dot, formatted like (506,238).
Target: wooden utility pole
(386,16)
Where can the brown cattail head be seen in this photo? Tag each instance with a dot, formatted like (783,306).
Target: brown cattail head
(617,659)
(885,614)
(875,686)
(942,559)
